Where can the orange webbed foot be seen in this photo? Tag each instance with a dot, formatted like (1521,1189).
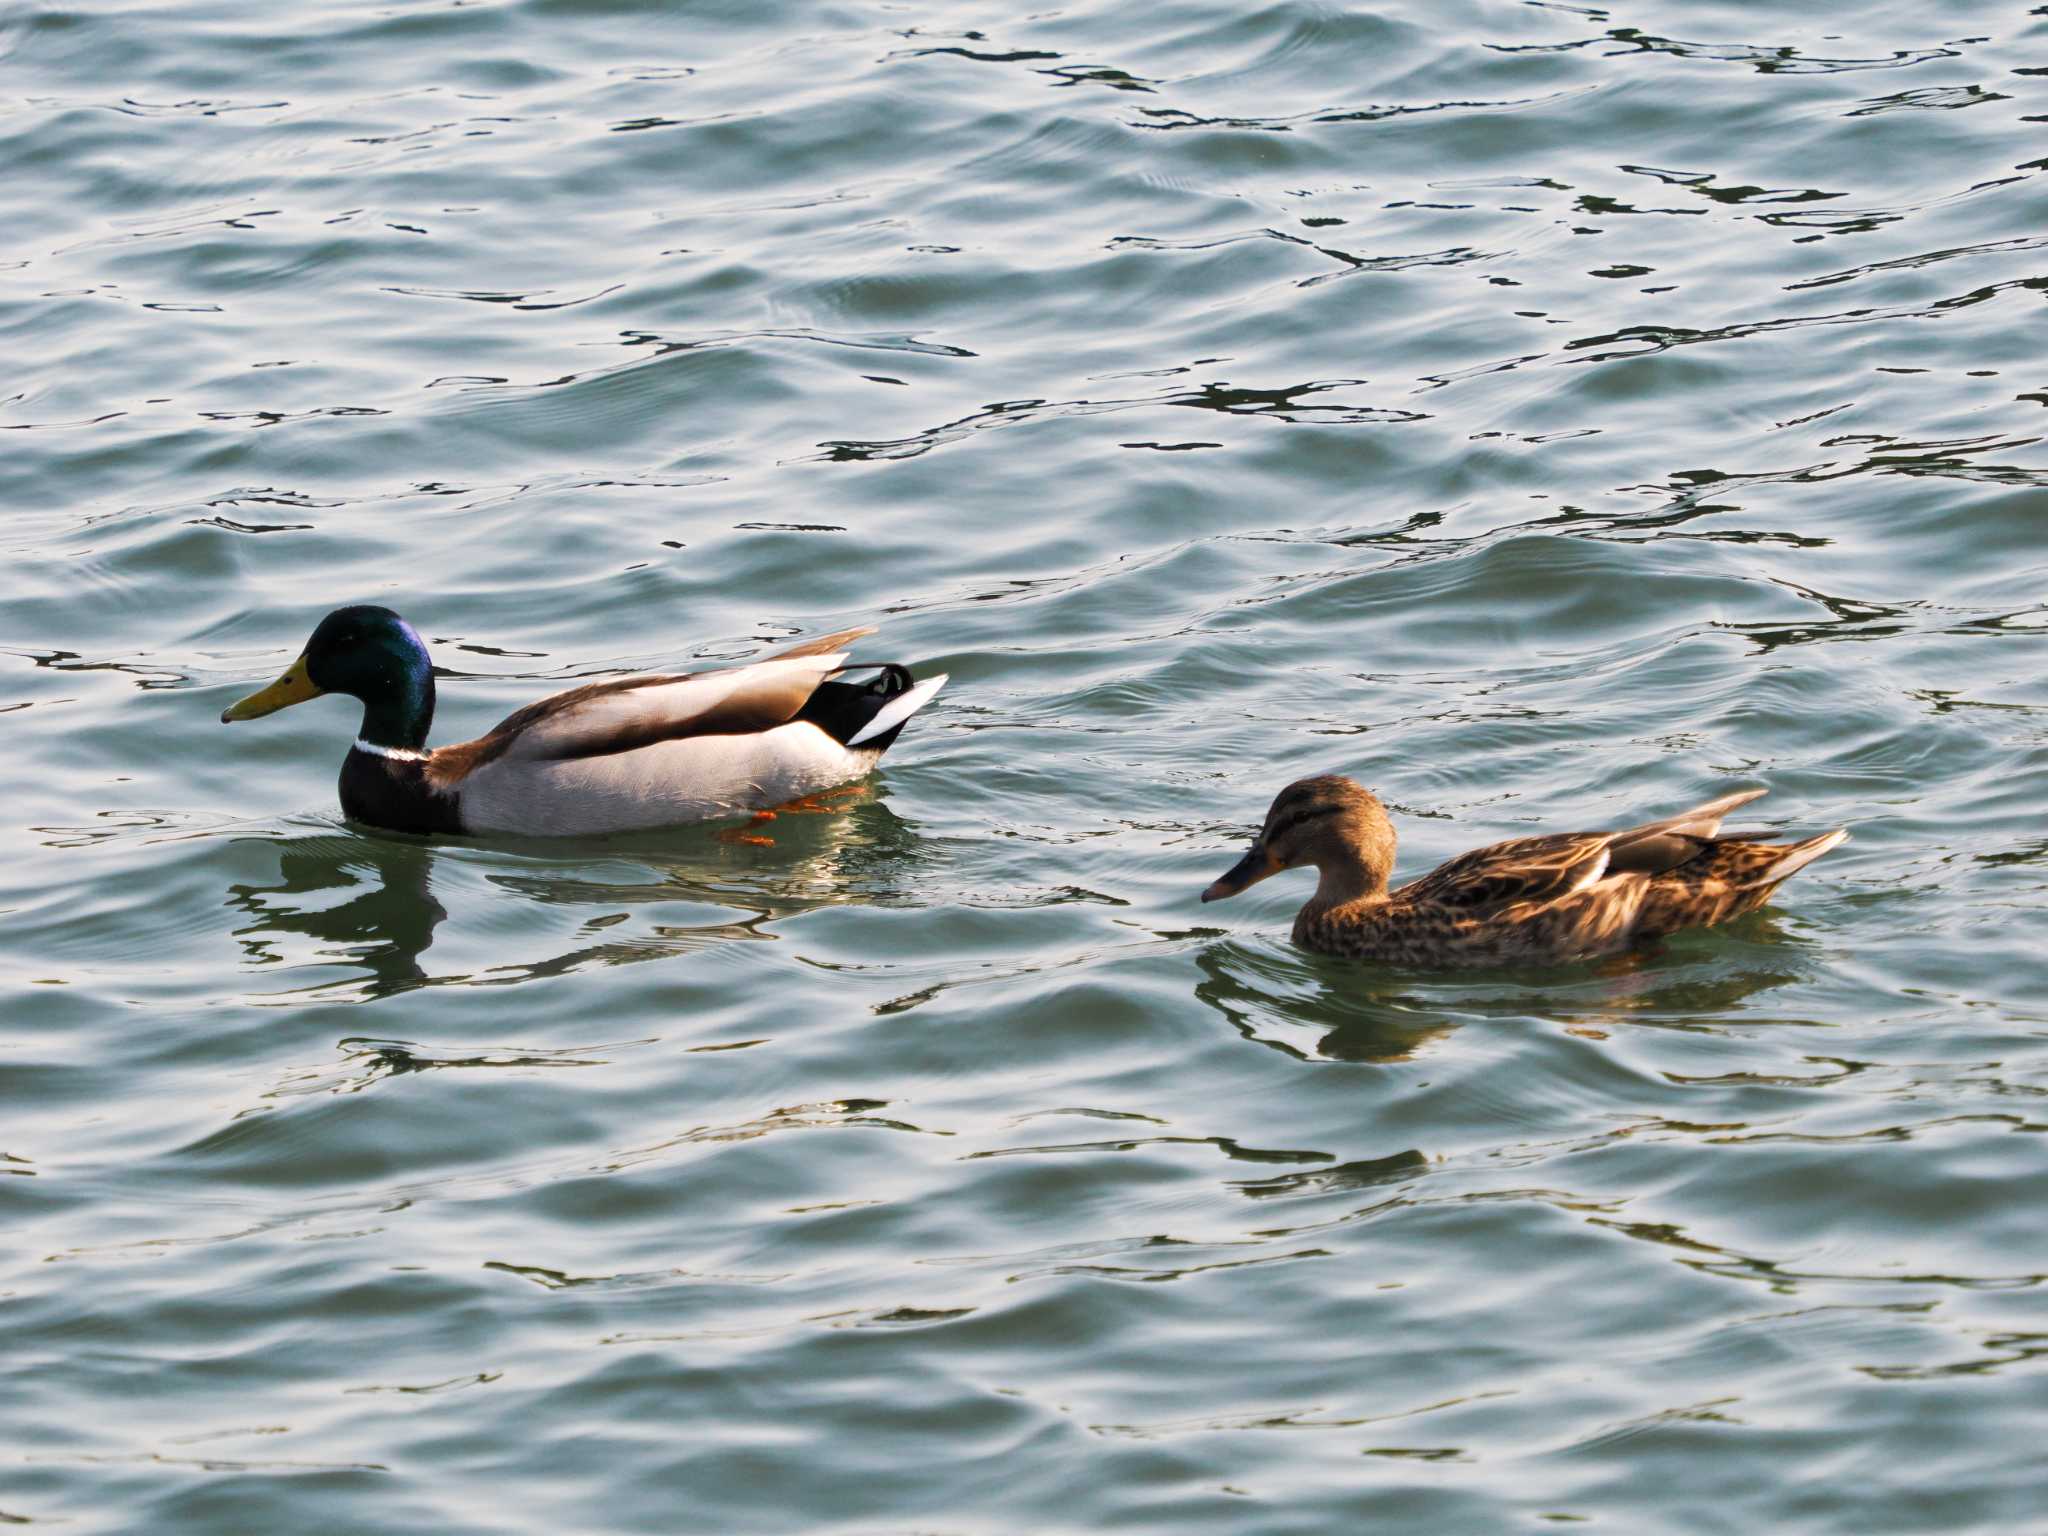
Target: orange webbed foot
(822,803)
(744,835)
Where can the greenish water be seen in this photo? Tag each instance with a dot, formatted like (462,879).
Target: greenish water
(1548,414)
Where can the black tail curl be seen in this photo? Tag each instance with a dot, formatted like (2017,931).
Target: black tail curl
(894,678)
(842,710)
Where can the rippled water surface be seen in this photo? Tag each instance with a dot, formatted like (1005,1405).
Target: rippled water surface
(1549,414)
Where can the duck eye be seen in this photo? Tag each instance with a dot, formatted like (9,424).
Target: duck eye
(1297,818)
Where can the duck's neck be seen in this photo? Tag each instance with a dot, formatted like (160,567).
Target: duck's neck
(398,718)
(1348,880)
(1356,865)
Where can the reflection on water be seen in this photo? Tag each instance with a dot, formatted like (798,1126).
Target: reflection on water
(362,906)
(1258,990)
(383,921)
(1368,1013)
(1365,1173)
(365,1063)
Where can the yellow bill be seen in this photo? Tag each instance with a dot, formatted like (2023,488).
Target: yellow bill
(295,687)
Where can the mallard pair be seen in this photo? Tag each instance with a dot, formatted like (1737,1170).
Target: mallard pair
(635,753)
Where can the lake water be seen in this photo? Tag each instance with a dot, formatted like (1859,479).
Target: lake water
(1548,414)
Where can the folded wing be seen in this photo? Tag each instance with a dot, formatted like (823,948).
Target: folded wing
(628,713)
(1545,869)
(1527,869)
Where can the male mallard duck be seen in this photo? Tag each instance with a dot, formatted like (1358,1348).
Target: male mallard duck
(1532,901)
(626,754)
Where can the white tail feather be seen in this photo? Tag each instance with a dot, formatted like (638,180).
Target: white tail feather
(899,709)
(1799,855)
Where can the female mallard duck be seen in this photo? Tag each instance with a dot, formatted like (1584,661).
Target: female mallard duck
(626,754)
(1533,901)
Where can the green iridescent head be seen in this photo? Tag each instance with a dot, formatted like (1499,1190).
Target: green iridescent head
(370,654)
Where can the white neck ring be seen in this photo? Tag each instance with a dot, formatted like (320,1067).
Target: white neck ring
(396,754)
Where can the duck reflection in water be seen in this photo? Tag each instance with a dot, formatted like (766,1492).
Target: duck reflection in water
(367,902)
(1274,996)
(383,926)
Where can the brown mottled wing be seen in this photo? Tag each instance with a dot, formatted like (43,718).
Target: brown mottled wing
(624,714)
(1545,868)
(1527,869)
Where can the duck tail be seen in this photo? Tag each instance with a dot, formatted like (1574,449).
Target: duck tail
(1701,820)
(1793,857)
(888,720)
(868,715)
